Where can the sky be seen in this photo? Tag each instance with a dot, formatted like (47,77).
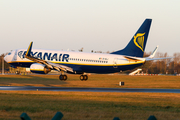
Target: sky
(99,25)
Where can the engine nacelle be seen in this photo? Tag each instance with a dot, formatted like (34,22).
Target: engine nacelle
(39,68)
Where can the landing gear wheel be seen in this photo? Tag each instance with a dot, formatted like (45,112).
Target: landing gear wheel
(63,77)
(83,77)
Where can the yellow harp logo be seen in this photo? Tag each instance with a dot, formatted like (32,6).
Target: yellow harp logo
(139,40)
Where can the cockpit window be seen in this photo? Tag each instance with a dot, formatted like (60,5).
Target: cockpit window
(9,53)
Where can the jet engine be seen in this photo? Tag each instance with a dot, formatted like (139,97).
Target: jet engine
(39,68)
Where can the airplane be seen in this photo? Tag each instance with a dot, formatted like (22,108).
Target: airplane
(43,61)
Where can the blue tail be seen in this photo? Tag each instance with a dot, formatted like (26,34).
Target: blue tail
(137,44)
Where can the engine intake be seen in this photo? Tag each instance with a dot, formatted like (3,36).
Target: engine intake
(39,68)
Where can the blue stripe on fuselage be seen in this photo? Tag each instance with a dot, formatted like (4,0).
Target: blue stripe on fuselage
(88,68)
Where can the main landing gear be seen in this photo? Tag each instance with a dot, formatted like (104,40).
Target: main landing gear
(63,77)
(83,77)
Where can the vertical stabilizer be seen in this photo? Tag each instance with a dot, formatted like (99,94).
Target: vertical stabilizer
(137,44)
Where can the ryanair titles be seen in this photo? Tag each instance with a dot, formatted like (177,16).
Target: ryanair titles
(46,56)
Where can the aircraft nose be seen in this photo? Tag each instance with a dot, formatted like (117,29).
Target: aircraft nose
(6,58)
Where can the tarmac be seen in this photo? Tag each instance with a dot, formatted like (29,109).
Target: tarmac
(79,89)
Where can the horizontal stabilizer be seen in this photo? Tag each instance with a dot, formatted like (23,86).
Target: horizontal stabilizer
(149,59)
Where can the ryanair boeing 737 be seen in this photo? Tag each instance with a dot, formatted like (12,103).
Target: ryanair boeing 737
(43,61)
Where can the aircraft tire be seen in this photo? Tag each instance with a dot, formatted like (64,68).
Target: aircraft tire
(61,77)
(85,77)
(82,77)
(64,77)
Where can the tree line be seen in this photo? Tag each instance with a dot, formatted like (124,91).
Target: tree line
(6,65)
(165,66)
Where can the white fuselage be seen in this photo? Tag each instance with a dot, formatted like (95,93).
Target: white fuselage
(80,61)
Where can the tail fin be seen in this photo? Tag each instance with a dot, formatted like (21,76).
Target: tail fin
(137,44)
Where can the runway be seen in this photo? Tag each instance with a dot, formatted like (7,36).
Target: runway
(78,89)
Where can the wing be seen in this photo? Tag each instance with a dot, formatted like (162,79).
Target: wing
(50,65)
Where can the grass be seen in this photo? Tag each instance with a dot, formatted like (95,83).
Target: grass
(111,81)
(42,105)
(88,105)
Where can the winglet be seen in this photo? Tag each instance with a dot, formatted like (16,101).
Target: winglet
(29,49)
(153,53)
